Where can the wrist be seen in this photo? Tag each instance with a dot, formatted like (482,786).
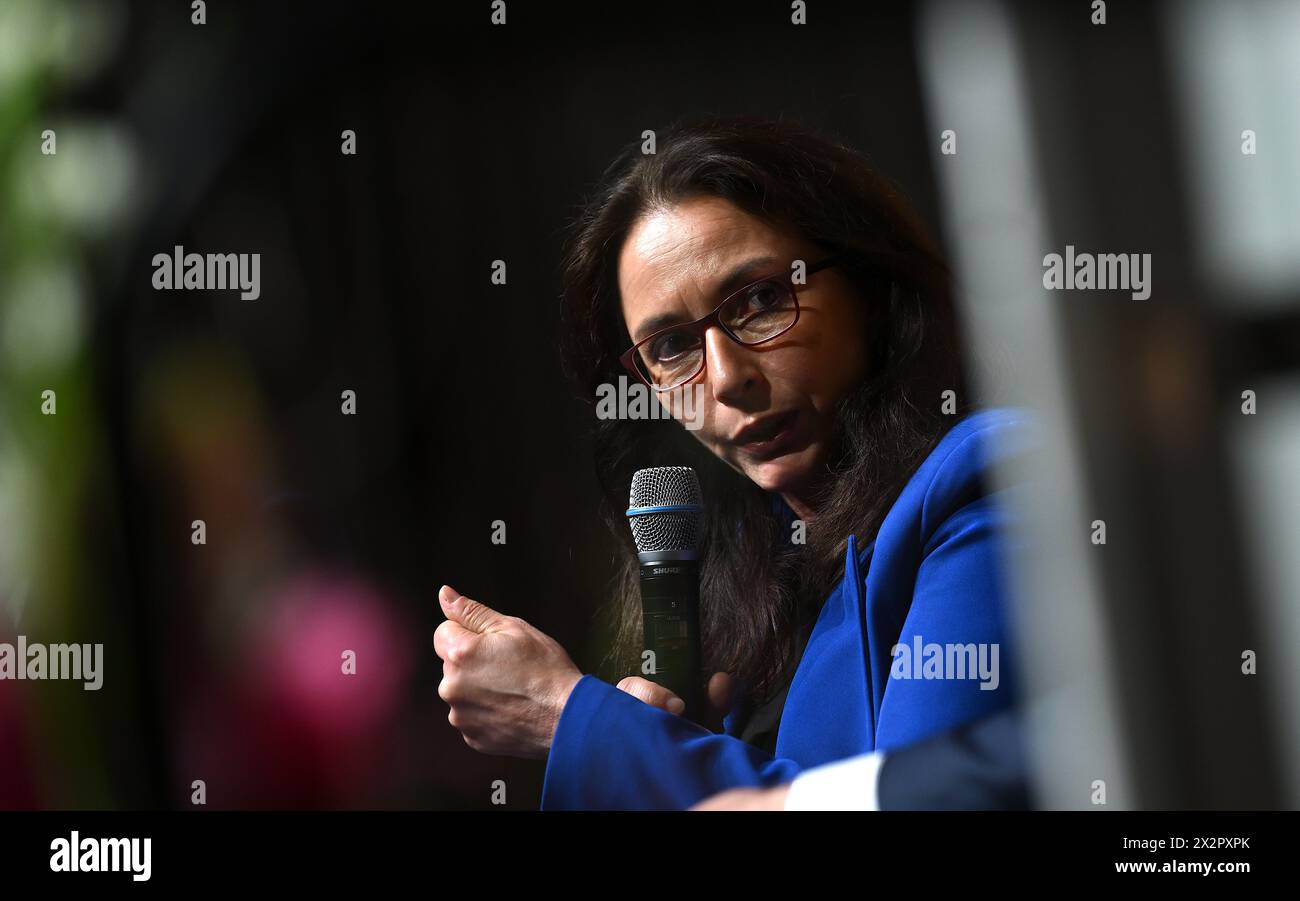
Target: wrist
(555,709)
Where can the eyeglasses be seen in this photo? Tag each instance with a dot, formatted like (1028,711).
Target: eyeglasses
(754,314)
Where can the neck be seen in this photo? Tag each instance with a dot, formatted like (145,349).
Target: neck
(806,497)
(800,504)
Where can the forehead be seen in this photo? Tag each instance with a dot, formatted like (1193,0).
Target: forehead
(677,254)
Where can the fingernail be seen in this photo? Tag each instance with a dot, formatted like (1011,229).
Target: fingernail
(676,705)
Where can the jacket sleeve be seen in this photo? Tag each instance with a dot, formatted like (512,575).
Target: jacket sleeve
(611,751)
(982,765)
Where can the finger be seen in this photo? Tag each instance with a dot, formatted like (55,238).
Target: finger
(744,799)
(726,800)
(721,687)
(469,613)
(652,693)
(449,640)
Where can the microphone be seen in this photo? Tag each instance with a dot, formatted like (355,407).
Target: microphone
(664,512)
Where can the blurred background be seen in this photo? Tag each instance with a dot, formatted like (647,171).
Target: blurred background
(1174,420)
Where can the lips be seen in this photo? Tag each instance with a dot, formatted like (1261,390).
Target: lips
(763,430)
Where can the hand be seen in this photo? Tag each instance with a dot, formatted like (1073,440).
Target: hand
(505,681)
(747,799)
(720,688)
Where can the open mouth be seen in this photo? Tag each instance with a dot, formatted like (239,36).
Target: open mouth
(768,434)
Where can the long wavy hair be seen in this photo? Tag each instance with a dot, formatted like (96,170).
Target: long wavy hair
(759,589)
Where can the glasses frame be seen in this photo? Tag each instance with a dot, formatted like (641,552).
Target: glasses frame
(699,326)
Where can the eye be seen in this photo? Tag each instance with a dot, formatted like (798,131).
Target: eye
(671,345)
(757,299)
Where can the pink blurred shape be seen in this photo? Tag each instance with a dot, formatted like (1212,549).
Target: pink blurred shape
(285,725)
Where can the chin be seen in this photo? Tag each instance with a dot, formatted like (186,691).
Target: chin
(783,474)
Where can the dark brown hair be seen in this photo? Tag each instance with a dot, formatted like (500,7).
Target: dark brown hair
(759,591)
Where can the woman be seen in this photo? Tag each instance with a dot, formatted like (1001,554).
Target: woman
(838,453)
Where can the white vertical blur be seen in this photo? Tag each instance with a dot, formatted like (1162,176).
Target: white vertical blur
(1265,451)
(971,70)
(1236,66)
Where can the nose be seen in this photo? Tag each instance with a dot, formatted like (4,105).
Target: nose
(733,370)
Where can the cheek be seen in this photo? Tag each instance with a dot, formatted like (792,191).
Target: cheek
(711,430)
(818,375)
(853,367)
(839,363)
(696,412)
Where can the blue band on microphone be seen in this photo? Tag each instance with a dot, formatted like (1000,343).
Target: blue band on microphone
(665,508)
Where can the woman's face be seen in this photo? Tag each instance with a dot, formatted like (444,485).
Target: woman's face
(681,262)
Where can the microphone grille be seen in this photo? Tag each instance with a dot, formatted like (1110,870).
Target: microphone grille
(654,528)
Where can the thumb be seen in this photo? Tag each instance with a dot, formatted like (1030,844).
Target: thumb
(652,693)
(721,688)
(466,612)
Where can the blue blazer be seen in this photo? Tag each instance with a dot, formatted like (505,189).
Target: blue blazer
(933,575)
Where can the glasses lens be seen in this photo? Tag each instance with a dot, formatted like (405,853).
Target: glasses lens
(760,311)
(669,359)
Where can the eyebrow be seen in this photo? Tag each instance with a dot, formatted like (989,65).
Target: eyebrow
(738,277)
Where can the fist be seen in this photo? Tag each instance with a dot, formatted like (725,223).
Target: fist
(505,682)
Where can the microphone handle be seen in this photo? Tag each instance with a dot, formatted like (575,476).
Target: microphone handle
(670,606)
